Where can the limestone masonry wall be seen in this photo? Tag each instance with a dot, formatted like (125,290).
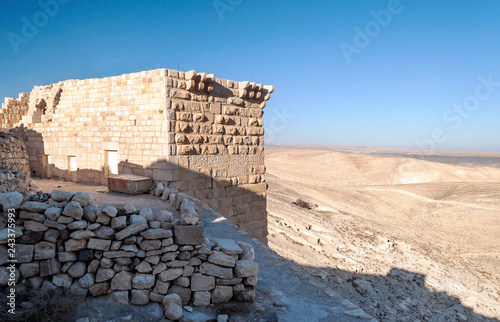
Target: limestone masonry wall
(13,109)
(199,134)
(137,256)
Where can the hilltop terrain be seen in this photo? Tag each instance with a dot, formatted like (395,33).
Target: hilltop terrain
(401,237)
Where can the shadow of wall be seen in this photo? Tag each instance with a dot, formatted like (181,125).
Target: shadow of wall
(243,205)
(401,295)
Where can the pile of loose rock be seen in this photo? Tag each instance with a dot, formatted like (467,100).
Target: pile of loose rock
(136,255)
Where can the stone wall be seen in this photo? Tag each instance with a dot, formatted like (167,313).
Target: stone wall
(199,134)
(14,166)
(15,180)
(13,153)
(13,109)
(65,241)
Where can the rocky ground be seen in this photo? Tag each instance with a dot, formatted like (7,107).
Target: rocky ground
(285,291)
(422,251)
(386,238)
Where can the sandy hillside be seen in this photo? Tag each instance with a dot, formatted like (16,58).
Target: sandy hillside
(403,238)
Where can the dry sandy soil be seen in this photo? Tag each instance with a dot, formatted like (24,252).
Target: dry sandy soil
(402,238)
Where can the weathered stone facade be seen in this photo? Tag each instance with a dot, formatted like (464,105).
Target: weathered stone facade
(13,153)
(13,109)
(14,166)
(200,134)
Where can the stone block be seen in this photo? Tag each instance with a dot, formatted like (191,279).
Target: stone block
(222,259)
(29,269)
(140,224)
(228,246)
(122,281)
(34,206)
(170,274)
(90,213)
(99,289)
(200,282)
(222,294)
(104,274)
(61,195)
(119,223)
(62,280)
(77,270)
(83,198)
(74,210)
(157,233)
(214,270)
(143,281)
(75,244)
(183,292)
(189,235)
(139,297)
(25,252)
(32,216)
(45,250)
(50,267)
(87,280)
(99,244)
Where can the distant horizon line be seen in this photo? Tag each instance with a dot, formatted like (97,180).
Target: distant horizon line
(375,149)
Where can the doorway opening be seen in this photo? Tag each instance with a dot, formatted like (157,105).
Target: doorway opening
(72,168)
(110,163)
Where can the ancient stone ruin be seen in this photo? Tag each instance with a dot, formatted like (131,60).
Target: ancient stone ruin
(14,166)
(199,134)
(137,256)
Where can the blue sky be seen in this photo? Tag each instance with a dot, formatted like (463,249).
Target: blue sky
(364,73)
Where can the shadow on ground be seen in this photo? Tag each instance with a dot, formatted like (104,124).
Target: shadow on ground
(286,291)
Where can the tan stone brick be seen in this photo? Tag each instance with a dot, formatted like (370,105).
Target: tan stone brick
(216,108)
(182,174)
(187,150)
(203,194)
(225,202)
(184,116)
(163,175)
(179,185)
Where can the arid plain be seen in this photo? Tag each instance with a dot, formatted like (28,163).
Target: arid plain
(402,237)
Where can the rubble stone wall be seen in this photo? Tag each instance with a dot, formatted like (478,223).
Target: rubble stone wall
(14,166)
(12,180)
(64,240)
(199,134)
(13,153)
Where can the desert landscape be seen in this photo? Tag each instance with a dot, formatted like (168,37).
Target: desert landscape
(401,237)
(299,161)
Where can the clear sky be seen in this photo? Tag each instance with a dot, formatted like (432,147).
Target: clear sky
(403,73)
